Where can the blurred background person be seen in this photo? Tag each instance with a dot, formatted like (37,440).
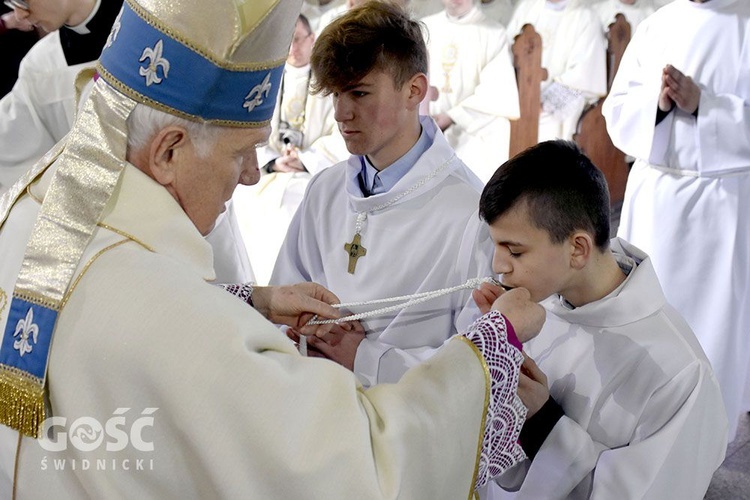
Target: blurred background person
(304,140)
(573,52)
(40,108)
(472,70)
(634,11)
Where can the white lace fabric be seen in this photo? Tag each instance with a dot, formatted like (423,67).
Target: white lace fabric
(560,100)
(244,291)
(506,413)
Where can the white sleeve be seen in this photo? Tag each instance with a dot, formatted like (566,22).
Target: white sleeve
(231,262)
(630,108)
(299,258)
(40,109)
(718,116)
(673,452)
(497,78)
(585,69)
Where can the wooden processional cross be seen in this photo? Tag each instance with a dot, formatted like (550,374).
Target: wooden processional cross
(355,251)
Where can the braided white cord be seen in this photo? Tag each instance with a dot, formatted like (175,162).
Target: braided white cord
(406,301)
(362,216)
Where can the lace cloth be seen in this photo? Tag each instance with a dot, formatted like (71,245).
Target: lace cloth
(244,291)
(506,413)
(561,101)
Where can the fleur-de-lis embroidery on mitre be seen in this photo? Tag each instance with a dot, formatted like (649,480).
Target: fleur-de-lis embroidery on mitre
(155,60)
(115,31)
(258,93)
(25,330)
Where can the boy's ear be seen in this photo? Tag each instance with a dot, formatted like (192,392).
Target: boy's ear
(418,86)
(582,246)
(165,152)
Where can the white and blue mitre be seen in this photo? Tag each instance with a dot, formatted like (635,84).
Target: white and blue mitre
(218,62)
(195,68)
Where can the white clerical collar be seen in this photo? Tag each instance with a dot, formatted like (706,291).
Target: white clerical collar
(626,265)
(557,6)
(388,177)
(81,28)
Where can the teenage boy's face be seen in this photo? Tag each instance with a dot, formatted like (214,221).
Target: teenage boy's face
(373,116)
(525,256)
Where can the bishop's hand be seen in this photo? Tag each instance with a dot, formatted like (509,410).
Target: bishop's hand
(295,305)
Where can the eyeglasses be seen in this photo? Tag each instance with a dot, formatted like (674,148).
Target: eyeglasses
(16,4)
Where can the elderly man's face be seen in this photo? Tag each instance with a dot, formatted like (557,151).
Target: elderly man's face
(202,186)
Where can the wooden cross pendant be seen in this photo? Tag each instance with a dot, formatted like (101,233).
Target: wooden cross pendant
(355,251)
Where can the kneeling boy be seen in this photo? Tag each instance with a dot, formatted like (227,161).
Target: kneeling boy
(623,401)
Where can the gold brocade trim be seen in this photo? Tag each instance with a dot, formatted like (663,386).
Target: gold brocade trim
(3,302)
(138,97)
(83,78)
(36,298)
(9,198)
(487,382)
(184,40)
(21,401)
(72,287)
(88,171)
(127,235)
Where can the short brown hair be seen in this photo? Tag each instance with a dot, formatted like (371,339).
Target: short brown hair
(376,35)
(562,188)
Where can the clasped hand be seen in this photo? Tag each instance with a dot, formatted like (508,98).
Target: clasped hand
(337,342)
(678,89)
(527,318)
(290,161)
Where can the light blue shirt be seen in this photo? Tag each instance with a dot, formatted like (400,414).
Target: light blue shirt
(377,182)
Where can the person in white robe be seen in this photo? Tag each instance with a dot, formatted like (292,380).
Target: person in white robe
(424,8)
(628,404)
(634,11)
(498,10)
(161,385)
(399,217)
(574,55)
(304,140)
(336,12)
(472,69)
(680,105)
(41,108)
(314,9)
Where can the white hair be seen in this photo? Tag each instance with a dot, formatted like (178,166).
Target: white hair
(144,122)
